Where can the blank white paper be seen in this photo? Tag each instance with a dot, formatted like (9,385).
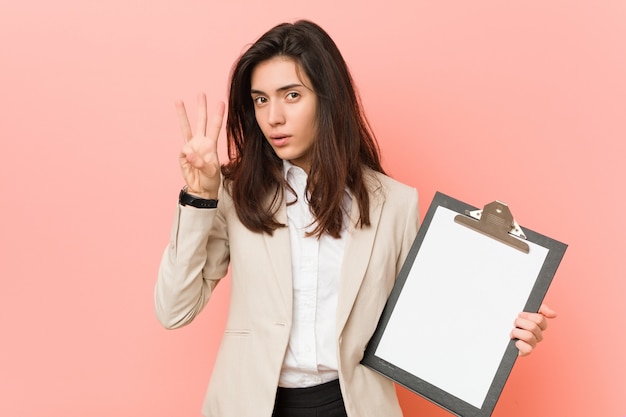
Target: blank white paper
(452,321)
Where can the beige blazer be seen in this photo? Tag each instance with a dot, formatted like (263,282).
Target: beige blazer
(204,242)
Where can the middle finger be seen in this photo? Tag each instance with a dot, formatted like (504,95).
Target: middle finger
(202,117)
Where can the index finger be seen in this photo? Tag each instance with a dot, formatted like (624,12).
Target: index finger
(216,122)
(531,318)
(547,311)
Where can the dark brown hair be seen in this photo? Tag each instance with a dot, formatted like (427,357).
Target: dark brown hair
(344,144)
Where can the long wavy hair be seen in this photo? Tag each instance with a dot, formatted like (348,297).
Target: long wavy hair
(344,145)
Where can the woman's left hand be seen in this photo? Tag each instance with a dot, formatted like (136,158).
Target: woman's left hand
(529,328)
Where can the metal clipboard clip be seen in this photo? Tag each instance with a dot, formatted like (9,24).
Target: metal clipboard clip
(495,220)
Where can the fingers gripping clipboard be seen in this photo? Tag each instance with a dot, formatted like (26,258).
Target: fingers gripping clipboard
(445,331)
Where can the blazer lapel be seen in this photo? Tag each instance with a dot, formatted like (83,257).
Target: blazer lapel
(356,256)
(279,252)
(358,248)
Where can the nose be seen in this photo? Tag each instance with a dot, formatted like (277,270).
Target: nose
(276,115)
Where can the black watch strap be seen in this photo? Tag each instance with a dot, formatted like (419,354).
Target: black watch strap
(185,199)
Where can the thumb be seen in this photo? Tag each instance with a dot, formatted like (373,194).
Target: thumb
(194,160)
(207,168)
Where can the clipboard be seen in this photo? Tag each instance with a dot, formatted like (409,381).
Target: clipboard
(445,330)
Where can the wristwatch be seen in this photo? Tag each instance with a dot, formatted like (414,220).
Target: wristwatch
(185,199)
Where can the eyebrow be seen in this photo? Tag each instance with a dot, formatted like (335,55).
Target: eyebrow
(279,90)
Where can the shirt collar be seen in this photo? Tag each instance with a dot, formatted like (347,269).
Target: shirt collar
(295,170)
(288,166)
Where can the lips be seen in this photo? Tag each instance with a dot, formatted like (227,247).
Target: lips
(279,139)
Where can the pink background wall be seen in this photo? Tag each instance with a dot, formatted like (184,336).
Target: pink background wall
(518,101)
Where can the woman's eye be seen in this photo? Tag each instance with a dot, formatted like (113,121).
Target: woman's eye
(260,100)
(293,95)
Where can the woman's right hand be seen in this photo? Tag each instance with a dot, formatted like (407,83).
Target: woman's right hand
(199,161)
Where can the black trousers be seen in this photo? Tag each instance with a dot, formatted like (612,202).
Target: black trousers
(319,401)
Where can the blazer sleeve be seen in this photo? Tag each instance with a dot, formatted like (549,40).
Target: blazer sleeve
(194,261)
(410,228)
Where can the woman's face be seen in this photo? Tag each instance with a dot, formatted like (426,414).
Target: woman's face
(285,108)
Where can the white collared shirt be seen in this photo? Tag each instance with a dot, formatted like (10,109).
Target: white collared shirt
(311,357)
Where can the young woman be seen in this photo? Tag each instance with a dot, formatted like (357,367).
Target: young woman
(313,230)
